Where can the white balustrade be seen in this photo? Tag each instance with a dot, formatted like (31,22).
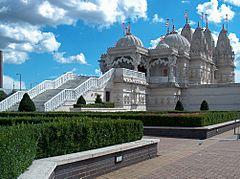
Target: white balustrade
(133,74)
(74,94)
(40,88)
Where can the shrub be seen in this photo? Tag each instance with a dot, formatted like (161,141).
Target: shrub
(3,95)
(17,149)
(81,100)
(179,106)
(98,99)
(26,104)
(204,106)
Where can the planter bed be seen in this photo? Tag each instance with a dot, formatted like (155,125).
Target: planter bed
(191,132)
(92,163)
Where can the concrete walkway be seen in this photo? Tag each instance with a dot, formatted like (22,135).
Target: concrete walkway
(217,157)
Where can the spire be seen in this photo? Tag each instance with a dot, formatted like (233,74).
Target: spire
(226,19)
(167,25)
(202,18)
(198,25)
(223,27)
(206,17)
(128,29)
(186,16)
(173,26)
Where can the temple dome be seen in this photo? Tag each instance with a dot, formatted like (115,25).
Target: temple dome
(162,45)
(177,41)
(129,40)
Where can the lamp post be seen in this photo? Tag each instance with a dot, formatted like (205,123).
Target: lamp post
(20,79)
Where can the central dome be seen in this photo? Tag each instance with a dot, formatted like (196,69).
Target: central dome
(177,41)
(129,40)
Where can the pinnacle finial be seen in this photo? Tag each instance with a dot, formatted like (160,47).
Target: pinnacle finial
(186,16)
(206,17)
(173,26)
(128,29)
(223,27)
(198,25)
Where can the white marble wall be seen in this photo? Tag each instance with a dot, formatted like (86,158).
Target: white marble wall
(220,97)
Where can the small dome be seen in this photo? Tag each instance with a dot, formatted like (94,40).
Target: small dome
(162,45)
(187,32)
(129,40)
(177,41)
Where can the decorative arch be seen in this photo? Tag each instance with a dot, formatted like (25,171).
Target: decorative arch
(123,62)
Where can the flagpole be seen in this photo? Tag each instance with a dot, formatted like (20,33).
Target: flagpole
(227,22)
(202,17)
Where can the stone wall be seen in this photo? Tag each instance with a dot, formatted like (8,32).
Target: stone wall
(220,97)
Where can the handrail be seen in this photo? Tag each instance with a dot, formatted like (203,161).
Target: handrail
(40,88)
(73,94)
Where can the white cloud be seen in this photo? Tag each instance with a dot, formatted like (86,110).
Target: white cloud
(98,72)
(215,13)
(235,43)
(234,2)
(184,2)
(9,83)
(79,58)
(192,23)
(23,21)
(55,12)
(157,19)
(154,42)
(18,40)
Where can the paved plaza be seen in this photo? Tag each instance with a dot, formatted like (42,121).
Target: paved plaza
(216,157)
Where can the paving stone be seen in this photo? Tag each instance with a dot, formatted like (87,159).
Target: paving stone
(216,157)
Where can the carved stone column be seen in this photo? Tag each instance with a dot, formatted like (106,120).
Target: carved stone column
(136,61)
(172,63)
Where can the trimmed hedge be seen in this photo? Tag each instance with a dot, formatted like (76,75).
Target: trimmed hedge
(81,100)
(17,150)
(26,104)
(74,136)
(179,106)
(20,144)
(95,105)
(149,119)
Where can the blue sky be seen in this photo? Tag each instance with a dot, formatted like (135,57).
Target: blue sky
(43,39)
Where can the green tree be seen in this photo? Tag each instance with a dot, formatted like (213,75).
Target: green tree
(3,95)
(98,99)
(204,106)
(81,100)
(179,106)
(26,104)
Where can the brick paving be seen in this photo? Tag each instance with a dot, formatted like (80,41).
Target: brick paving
(214,158)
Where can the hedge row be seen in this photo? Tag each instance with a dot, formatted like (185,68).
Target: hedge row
(148,119)
(95,105)
(20,144)
(17,150)
(73,136)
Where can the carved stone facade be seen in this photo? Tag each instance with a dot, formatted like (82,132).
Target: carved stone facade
(177,63)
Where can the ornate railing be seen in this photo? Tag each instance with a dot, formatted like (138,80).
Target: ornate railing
(40,88)
(74,94)
(133,74)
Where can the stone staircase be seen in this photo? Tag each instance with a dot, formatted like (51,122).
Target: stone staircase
(47,95)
